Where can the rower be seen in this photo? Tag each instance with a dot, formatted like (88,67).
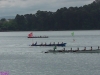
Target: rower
(45,43)
(62,42)
(54,43)
(41,43)
(64,49)
(36,43)
(54,48)
(50,43)
(78,48)
(98,47)
(32,44)
(71,49)
(84,48)
(91,47)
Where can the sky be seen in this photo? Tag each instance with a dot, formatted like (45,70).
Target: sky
(22,7)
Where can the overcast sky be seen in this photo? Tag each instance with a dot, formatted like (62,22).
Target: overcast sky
(21,7)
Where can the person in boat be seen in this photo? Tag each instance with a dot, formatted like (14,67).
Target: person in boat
(98,47)
(55,47)
(54,43)
(45,43)
(50,43)
(44,36)
(58,43)
(62,42)
(84,48)
(91,47)
(32,44)
(36,43)
(41,44)
(63,49)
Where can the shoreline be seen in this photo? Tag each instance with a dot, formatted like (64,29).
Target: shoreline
(50,30)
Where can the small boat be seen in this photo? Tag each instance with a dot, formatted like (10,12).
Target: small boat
(31,36)
(73,51)
(38,37)
(62,44)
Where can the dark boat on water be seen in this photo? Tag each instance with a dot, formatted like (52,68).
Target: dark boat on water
(62,44)
(74,51)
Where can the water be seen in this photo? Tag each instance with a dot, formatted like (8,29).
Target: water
(18,58)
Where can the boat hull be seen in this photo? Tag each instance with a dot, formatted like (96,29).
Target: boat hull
(38,37)
(74,51)
(88,51)
(63,45)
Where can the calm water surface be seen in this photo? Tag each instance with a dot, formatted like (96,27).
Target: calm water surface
(18,58)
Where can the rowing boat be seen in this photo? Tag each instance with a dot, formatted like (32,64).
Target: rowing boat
(62,44)
(30,35)
(38,37)
(74,51)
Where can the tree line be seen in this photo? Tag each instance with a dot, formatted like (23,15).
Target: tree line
(86,17)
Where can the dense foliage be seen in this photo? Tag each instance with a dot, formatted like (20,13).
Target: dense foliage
(86,17)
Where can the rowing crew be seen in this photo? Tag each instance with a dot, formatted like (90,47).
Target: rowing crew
(45,43)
